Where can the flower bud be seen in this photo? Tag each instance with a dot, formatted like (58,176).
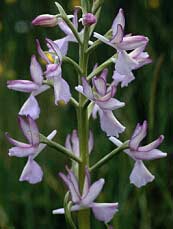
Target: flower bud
(89,19)
(47,20)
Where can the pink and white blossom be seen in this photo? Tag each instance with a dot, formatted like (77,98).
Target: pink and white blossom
(102,211)
(140,175)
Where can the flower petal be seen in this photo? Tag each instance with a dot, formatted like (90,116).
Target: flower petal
(123,79)
(125,64)
(34,131)
(119,20)
(90,142)
(15,142)
(41,53)
(139,134)
(68,143)
(32,172)
(75,18)
(132,42)
(140,175)
(74,194)
(41,89)
(110,104)
(36,71)
(79,88)
(100,85)
(64,27)
(104,74)
(75,207)
(73,180)
(116,141)
(118,37)
(104,211)
(63,44)
(75,143)
(61,90)
(31,108)
(22,85)
(93,192)
(102,38)
(53,70)
(22,151)
(96,109)
(110,124)
(152,145)
(148,155)
(87,183)
(29,129)
(87,89)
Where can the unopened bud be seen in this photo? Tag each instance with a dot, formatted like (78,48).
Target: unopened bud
(47,20)
(89,19)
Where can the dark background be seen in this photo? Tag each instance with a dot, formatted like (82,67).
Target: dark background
(148,97)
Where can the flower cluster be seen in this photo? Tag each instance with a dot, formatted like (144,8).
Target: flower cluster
(96,96)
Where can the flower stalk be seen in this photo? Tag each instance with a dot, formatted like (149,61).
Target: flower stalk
(67,59)
(101,67)
(109,156)
(59,148)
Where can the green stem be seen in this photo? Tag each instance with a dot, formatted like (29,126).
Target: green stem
(83,130)
(67,59)
(101,67)
(86,5)
(106,158)
(97,4)
(59,148)
(74,102)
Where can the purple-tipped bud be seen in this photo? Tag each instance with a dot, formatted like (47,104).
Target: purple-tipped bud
(47,20)
(89,19)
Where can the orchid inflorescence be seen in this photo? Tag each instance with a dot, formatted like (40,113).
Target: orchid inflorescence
(96,96)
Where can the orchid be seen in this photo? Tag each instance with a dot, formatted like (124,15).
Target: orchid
(32,172)
(118,40)
(54,72)
(126,62)
(102,211)
(34,86)
(104,103)
(140,175)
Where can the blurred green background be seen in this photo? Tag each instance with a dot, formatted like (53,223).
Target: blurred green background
(149,97)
